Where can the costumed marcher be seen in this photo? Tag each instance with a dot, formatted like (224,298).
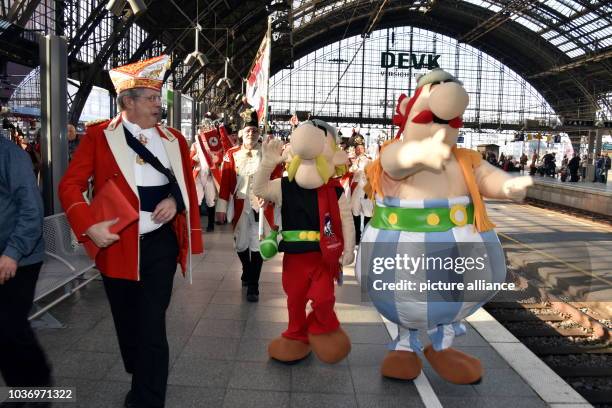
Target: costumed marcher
(237,171)
(149,165)
(317,237)
(206,156)
(429,205)
(361,205)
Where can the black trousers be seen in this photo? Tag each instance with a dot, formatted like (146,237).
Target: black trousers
(357,222)
(139,313)
(251,269)
(22,361)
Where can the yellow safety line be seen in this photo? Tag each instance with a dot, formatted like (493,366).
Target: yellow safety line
(574,267)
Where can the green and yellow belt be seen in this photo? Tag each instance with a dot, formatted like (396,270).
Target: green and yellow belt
(301,236)
(422,219)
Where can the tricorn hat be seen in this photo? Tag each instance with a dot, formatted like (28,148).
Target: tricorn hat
(249,117)
(358,140)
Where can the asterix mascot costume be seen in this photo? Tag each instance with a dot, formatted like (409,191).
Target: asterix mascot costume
(317,237)
(429,195)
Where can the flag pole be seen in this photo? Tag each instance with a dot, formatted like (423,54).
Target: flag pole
(266,113)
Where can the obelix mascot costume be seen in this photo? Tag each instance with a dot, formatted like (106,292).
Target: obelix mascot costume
(428,192)
(317,237)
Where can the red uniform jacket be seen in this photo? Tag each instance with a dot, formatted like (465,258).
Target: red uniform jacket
(229,181)
(104,154)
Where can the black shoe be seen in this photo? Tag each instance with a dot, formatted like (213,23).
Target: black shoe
(253,294)
(210,228)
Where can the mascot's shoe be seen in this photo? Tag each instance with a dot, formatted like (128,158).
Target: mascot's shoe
(401,365)
(288,350)
(454,366)
(331,347)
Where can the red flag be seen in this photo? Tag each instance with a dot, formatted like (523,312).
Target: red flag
(211,157)
(226,141)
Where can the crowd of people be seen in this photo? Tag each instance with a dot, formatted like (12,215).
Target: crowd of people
(571,169)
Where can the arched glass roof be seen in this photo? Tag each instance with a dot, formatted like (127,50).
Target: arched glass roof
(574,27)
(498,95)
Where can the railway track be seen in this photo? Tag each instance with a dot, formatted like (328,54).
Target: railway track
(568,339)
(588,215)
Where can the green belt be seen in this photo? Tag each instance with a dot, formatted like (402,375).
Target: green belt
(301,236)
(422,219)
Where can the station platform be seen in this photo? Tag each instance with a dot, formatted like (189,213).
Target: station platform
(218,348)
(571,257)
(582,195)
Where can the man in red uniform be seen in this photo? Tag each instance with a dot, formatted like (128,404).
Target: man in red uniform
(239,166)
(138,263)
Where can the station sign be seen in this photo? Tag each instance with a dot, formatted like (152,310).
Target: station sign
(406,60)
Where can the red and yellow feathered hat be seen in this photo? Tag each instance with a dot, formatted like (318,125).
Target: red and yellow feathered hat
(142,74)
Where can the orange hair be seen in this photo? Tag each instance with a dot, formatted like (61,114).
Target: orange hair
(374,173)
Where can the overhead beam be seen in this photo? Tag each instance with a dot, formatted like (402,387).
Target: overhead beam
(573,65)
(98,65)
(502,16)
(85,30)
(21,11)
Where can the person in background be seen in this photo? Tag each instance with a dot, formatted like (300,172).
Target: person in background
(238,169)
(583,165)
(573,165)
(607,165)
(599,169)
(523,163)
(22,360)
(73,140)
(361,205)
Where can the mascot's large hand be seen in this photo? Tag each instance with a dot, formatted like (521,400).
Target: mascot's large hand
(516,187)
(272,151)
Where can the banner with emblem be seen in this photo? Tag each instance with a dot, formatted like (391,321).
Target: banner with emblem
(212,139)
(212,152)
(258,78)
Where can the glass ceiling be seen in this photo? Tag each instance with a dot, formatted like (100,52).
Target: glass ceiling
(574,27)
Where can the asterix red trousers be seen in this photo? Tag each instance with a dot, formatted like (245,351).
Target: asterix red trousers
(306,277)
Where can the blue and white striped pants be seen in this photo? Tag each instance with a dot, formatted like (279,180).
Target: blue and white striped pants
(428,311)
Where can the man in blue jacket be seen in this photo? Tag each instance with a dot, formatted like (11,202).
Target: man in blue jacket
(22,361)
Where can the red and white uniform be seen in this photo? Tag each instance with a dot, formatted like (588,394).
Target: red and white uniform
(206,172)
(359,203)
(104,154)
(237,172)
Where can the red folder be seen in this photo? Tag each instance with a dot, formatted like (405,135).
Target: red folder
(109,203)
